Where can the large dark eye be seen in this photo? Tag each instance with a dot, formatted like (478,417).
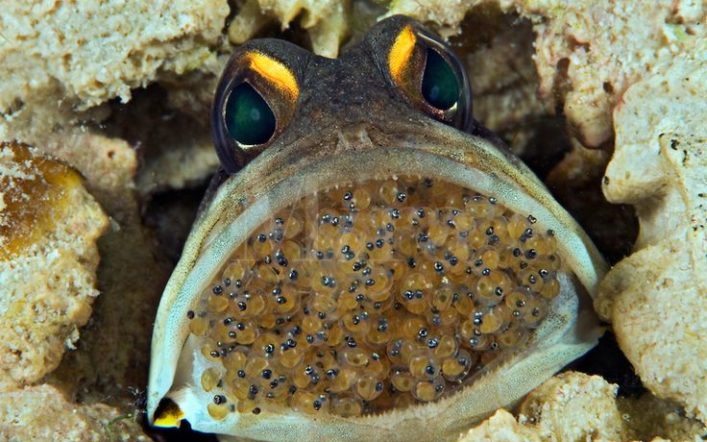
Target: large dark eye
(249,119)
(440,85)
(431,77)
(255,100)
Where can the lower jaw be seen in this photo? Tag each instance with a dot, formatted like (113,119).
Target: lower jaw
(477,347)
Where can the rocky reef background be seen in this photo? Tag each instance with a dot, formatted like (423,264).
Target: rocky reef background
(604,100)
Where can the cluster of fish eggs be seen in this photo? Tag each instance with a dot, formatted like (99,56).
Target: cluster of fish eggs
(372,296)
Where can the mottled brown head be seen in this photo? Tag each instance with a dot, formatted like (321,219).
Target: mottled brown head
(275,94)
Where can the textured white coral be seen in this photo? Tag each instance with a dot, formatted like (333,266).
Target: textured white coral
(656,298)
(325,21)
(48,263)
(89,52)
(575,406)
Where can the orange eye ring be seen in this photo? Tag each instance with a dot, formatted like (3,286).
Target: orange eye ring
(430,76)
(254,102)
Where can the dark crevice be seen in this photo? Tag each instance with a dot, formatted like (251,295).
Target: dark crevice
(608,361)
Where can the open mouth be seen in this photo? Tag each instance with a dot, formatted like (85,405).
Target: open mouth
(370,296)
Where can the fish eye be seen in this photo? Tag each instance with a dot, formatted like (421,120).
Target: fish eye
(249,119)
(431,77)
(440,86)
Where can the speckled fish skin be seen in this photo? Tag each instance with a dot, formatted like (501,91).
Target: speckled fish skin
(351,125)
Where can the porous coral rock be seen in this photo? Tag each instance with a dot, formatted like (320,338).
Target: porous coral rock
(577,407)
(47,80)
(49,225)
(42,413)
(175,149)
(655,298)
(326,21)
(61,63)
(444,15)
(572,407)
(58,43)
(501,427)
(576,183)
(114,352)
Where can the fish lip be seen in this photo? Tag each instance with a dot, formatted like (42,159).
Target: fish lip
(215,235)
(580,334)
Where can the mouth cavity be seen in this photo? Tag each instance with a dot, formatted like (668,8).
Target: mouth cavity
(372,296)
